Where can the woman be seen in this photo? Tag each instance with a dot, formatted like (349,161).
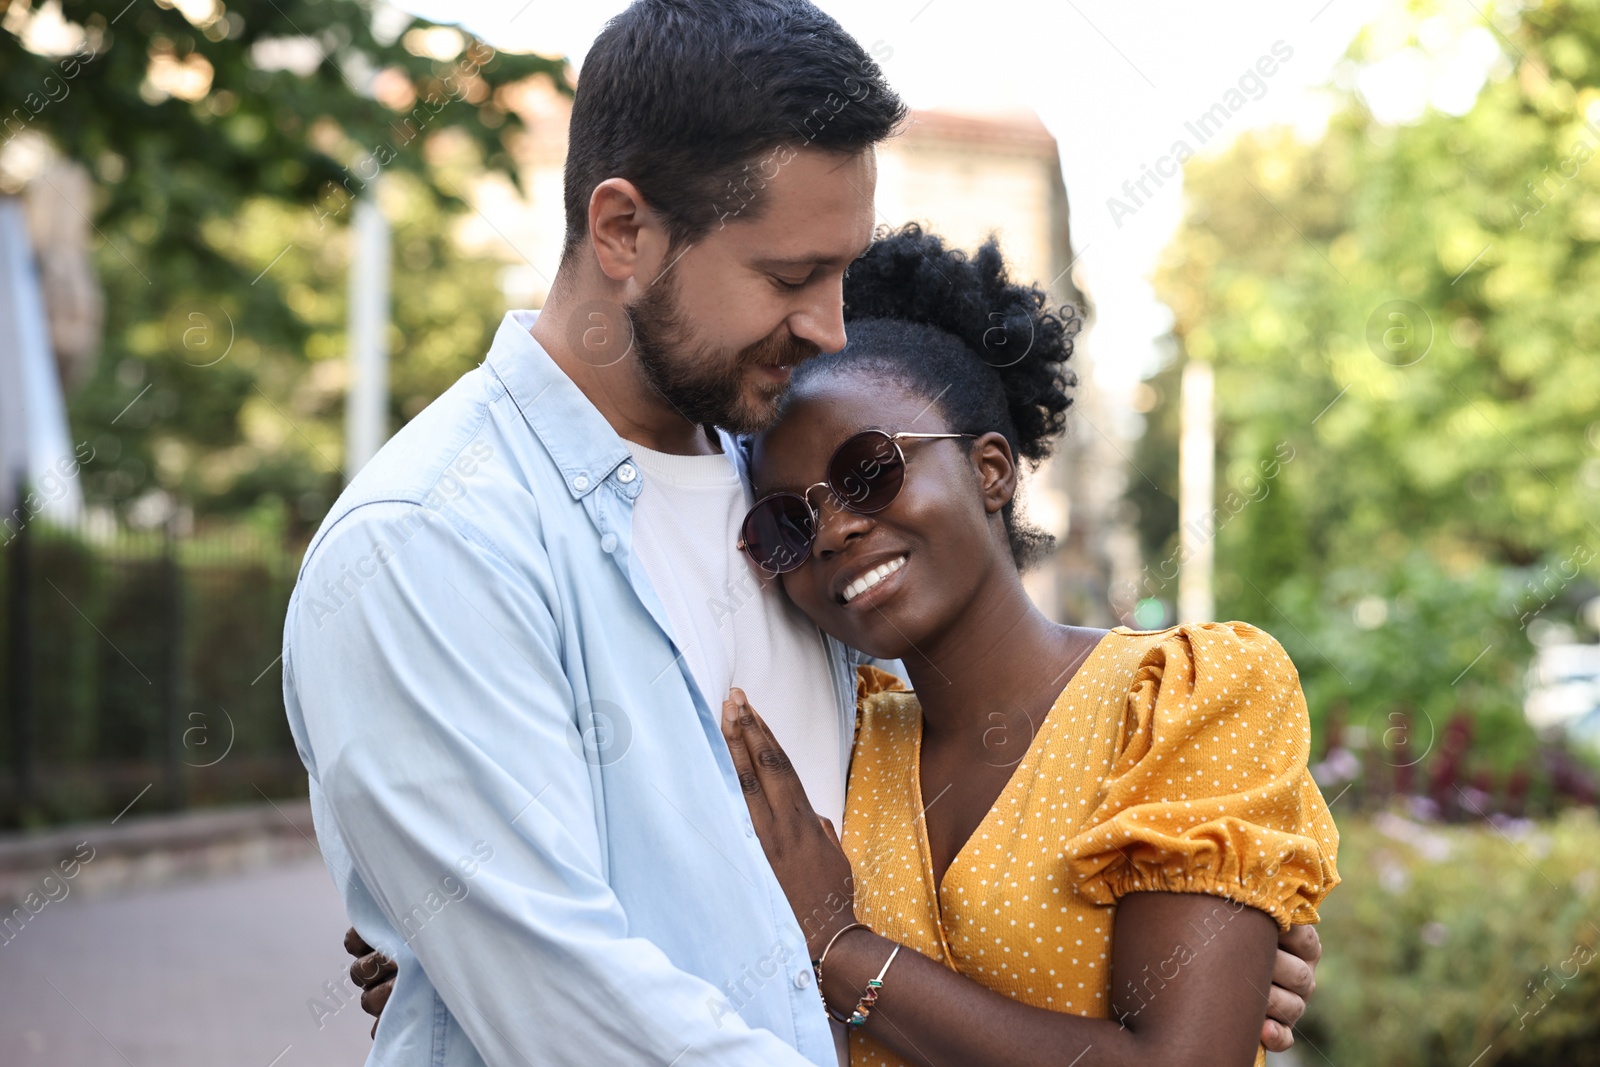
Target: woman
(1061,845)
(1048,806)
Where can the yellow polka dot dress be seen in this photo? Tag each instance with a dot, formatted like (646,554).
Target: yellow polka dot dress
(1173,761)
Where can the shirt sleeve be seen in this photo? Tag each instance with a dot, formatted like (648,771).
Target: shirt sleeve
(418,669)
(1209,791)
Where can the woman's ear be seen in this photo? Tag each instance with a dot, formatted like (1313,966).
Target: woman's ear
(996,470)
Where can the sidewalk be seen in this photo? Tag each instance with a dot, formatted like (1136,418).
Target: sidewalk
(183,940)
(148,850)
(246,969)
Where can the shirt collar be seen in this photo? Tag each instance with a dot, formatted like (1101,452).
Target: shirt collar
(578,438)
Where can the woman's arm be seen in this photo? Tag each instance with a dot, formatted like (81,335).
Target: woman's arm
(1190,971)
(1183,1000)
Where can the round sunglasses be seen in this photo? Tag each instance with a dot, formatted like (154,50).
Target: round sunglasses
(864,475)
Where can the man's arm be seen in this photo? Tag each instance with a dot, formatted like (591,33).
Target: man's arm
(441,726)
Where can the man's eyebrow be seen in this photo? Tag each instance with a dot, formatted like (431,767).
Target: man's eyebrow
(811,259)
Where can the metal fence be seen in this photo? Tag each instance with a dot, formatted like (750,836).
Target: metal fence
(141,667)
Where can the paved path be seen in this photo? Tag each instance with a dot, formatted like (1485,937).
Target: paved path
(196,975)
(209,974)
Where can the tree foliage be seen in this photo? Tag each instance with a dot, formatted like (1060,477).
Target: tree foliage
(230,144)
(1412,308)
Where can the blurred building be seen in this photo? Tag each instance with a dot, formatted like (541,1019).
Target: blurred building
(51,310)
(1564,691)
(965,176)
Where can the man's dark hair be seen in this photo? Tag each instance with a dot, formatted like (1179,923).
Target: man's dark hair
(696,103)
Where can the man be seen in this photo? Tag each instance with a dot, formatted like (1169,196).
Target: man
(511,636)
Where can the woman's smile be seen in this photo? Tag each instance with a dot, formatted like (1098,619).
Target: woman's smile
(890,579)
(867,583)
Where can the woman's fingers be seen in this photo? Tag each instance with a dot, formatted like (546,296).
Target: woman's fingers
(375,997)
(778,779)
(375,974)
(372,970)
(355,944)
(744,763)
(833,835)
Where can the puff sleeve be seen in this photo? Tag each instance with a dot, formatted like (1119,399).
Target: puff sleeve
(1208,791)
(870,680)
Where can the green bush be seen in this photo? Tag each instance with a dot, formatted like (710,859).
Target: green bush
(1445,942)
(148,669)
(1440,642)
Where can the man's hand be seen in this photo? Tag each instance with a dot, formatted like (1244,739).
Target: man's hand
(1294,978)
(374,973)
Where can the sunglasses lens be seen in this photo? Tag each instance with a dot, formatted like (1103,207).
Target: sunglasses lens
(867,472)
(778,533)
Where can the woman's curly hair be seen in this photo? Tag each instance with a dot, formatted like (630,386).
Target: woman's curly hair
(989,353)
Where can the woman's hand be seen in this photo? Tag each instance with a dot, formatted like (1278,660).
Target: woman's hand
(802,846)
(373,972)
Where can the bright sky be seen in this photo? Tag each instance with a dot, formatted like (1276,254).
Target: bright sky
(1115,83)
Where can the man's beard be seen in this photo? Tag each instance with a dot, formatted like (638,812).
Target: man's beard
(704,383)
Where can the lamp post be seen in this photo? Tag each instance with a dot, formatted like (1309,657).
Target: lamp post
(1196,493)
(367,403)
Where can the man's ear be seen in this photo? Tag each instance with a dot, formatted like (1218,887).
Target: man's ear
(625,232)
(996,470)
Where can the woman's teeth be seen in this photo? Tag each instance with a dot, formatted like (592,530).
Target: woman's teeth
(872,578)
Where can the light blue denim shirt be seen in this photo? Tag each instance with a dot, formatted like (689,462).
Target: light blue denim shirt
(515,779)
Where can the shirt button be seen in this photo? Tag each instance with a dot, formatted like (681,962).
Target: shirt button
(581,482)
(749,828)
(626,473)
(802,979)
(608,543)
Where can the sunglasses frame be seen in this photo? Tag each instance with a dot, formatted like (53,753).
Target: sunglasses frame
(804,496)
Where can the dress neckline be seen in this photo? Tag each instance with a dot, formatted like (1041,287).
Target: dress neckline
(1012,783)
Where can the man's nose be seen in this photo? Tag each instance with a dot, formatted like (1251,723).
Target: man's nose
(821,321)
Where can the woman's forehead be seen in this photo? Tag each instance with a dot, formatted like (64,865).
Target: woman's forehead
(826,410)
(850,399)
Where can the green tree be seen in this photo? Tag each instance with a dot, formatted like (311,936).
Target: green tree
(1412,308)
(230,143)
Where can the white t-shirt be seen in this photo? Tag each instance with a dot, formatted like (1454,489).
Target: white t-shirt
(735,625)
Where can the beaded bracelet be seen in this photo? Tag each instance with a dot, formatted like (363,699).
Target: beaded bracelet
(863,1008)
